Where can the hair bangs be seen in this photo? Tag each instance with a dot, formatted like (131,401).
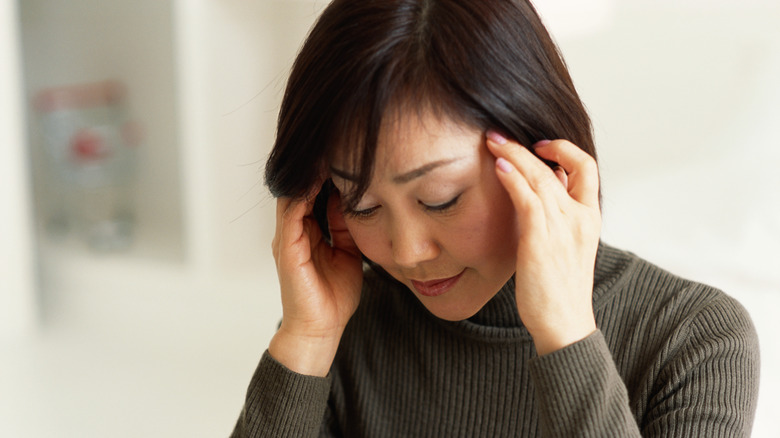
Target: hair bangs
(402,87)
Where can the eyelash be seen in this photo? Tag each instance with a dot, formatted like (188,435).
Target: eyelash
(443,207)
(359,214)
(368,212)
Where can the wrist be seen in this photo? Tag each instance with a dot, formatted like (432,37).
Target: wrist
(554,339)
(307,355)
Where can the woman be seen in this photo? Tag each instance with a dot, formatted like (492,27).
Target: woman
(438,250)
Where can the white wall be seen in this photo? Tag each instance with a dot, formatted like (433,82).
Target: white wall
(17,282)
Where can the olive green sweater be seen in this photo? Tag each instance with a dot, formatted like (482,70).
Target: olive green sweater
(671,358)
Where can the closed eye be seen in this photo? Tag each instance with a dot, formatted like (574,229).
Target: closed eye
(442,207)
(369,212)
(360,214)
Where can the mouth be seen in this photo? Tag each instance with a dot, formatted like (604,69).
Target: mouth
(434,288)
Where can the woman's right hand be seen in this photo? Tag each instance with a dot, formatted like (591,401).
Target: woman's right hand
(320,285)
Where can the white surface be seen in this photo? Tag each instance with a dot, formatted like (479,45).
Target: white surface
(17,285)
(685,103)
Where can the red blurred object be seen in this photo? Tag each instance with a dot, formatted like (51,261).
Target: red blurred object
(90,144)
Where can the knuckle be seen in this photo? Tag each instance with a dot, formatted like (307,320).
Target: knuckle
(537,180)
(562,143)
(287,213)
(588,163)
(542,178)
(586,166)
(515,153)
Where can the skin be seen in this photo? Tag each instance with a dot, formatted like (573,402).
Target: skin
(434,210)
(513,215)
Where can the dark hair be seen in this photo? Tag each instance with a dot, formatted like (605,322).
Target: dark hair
(488,63)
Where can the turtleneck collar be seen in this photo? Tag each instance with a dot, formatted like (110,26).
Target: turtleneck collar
(500,318)
(501,310)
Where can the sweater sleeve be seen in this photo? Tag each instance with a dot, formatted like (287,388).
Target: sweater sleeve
(580,392)
(707,385)
(282,403)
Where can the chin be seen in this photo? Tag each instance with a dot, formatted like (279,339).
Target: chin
(450,311)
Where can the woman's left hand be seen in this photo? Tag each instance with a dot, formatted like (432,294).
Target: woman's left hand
(559,224)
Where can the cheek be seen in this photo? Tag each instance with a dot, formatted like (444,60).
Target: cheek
(490,233)
(369,240)
(490,230)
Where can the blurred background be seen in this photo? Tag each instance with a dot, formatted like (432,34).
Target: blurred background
(137,288)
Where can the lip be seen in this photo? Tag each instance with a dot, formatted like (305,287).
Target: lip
(434,288)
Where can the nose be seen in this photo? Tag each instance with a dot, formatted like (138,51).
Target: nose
(412,242)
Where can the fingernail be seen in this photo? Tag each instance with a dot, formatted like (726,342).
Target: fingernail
(541,143)
(504,165)
(496,137)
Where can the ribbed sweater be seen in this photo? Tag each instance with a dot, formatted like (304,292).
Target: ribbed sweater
(671,357)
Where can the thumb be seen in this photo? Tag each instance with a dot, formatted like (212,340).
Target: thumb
(339,233)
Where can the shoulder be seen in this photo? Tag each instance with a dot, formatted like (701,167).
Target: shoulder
(649,310)
(624,281)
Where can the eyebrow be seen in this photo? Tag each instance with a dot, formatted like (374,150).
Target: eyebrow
(404,177)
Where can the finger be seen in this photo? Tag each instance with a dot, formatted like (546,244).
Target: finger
(583,173)
(526,202)
(337,226)
(540,177)
(562,176)
(282,204)
(292,223)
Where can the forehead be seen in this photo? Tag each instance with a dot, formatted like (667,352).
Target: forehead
(412,137)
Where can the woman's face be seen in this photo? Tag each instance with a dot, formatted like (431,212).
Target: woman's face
(435,216)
